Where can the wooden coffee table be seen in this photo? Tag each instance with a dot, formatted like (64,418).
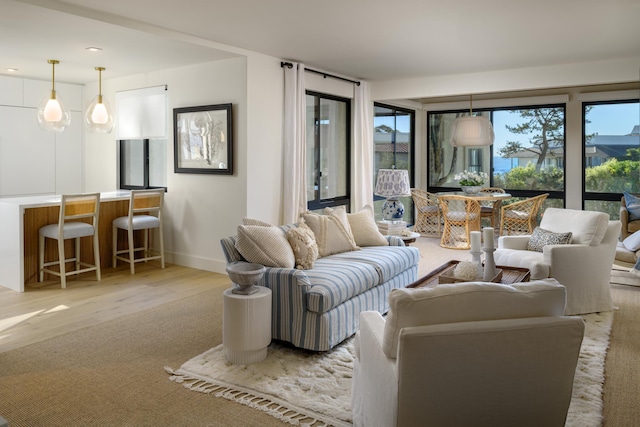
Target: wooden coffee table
(509,275)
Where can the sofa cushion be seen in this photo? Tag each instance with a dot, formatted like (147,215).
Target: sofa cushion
(334,281)
(532,260)
(340,277)
(541,238)
(632,242)
(332,231)
(389,261)
(266,245)
(587,227)
(470,301)
(304,246)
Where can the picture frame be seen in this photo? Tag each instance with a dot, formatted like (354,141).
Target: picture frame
(203,139)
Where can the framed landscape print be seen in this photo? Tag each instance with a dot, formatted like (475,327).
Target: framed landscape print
(203,139)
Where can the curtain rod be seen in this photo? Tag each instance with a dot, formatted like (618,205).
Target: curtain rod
(323,74)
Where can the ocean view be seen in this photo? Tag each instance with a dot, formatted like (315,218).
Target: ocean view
(501,165)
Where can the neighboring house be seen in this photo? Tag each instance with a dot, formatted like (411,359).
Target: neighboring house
(598,150)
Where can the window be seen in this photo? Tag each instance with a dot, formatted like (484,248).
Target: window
(611,146)
(526,159)
(142,138)
(142,164)
(328,151)
(393,139)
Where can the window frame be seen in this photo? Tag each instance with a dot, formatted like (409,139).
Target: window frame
(146,169)
(318,203)
(553,194)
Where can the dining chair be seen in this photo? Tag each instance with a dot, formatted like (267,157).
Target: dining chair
(521,217)
(78,218)
(145,213)
(491,208)
(429,218)
(461,217)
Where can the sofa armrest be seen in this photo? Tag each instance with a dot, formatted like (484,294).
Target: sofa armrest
(513,242)
(289,288)
(395,241)
(372,404)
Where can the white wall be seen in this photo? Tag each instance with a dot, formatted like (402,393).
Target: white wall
(203,208)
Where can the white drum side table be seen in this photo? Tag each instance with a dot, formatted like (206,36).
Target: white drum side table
(246,326)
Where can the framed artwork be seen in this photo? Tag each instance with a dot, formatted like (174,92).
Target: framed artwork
(203,139)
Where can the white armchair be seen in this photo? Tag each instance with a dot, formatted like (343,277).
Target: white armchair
(470,354)
(583,266)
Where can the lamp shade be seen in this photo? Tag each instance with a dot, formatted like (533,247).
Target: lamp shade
(472,131)
(393,183)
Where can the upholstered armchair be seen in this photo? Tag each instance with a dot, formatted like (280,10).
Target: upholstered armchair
(468,354)
(583,266)
(628,226)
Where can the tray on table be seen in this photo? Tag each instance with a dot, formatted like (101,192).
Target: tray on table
(509,275)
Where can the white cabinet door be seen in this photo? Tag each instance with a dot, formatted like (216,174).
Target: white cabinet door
(69,157)
(27,154)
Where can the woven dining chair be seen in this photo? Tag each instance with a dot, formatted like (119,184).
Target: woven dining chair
(521,217)
(491,209)
(429,218)
(461,217)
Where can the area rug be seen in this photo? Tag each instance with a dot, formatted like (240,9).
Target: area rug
(306,388)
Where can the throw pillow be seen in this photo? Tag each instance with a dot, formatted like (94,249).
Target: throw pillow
(541,237)
(303,243)
(332,231)
(632,243)
(266,245)
(364,228)
(633,206)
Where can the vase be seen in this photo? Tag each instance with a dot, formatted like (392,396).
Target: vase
(471,189)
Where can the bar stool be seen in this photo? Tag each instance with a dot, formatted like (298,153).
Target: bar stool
(73,209)
(145,213)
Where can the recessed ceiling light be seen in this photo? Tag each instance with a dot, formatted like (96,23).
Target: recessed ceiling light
(12,70)
(93,49)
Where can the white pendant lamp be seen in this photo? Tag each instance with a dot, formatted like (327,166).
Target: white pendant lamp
(98,117)
(471,130)
(52,114)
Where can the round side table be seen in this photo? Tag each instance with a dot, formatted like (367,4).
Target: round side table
(246,325)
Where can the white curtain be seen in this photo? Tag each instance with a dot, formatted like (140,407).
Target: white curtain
(295,191)
(363,148)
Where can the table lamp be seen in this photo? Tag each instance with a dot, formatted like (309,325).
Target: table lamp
(392,183)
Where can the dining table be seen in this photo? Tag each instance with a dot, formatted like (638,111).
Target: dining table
(480,197)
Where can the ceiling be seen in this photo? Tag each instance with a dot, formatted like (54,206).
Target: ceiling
(364,39)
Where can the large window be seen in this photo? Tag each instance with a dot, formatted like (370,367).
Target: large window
(611,136)
(393,138)
(328,149)
(526,159)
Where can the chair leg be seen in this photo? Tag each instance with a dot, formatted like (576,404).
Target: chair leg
(77,253)
(131,250)
(96,255)
(146,244)
(62,263)
(114,244)
(161,246)
(41,258)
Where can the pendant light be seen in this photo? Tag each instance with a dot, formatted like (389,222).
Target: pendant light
(471,130)
(52,114)
(98,117)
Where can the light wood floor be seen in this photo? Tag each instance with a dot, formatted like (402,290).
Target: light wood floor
(45,310)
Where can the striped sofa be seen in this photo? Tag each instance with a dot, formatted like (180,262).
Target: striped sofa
(317,309)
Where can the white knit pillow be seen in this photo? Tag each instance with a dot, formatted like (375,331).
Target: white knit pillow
(332,231)
(265,244)
(304,246)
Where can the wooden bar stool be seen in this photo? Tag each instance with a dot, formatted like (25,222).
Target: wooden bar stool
(74,209)
(145,213)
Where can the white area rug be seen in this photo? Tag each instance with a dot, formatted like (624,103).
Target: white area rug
(303,388)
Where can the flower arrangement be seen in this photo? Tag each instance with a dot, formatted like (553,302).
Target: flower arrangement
(470,179)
